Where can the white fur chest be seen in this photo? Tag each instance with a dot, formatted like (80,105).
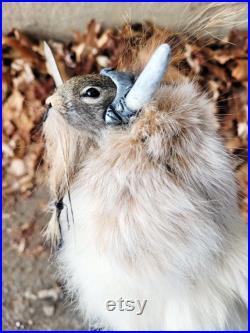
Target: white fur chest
(118,247)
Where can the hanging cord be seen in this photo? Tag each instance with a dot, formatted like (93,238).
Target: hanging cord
(71,209)
(60,205)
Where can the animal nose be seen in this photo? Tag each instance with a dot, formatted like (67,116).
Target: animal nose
(56,102)
(49,102)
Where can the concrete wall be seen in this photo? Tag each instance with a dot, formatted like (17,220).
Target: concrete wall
(58,20)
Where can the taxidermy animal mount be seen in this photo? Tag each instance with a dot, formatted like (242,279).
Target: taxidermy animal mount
(145,200)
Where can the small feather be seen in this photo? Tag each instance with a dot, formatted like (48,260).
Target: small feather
(52,66)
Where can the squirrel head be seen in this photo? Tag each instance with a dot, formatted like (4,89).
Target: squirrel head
(83,100)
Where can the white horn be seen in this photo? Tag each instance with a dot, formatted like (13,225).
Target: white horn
(149,80)
(52,66)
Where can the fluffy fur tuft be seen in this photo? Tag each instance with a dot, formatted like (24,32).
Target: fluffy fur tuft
(156,218)
(155,214)
(66,149)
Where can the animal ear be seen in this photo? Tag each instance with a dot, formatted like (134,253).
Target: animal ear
(52,66)
(150,78)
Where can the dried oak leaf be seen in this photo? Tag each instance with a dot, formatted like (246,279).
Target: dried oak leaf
(19,51)
(240,72)
(239,40)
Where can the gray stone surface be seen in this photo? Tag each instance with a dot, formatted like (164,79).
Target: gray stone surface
(32,296)
(59,20)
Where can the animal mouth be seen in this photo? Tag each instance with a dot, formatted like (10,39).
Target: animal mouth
(132,95)
(111,116)
(114,114)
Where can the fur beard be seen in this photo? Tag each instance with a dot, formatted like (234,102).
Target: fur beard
(66,148)
(155,218)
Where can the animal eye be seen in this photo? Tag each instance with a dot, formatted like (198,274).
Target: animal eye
(91,92)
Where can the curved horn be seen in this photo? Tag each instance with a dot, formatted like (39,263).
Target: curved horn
(150,79)
(52,66)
